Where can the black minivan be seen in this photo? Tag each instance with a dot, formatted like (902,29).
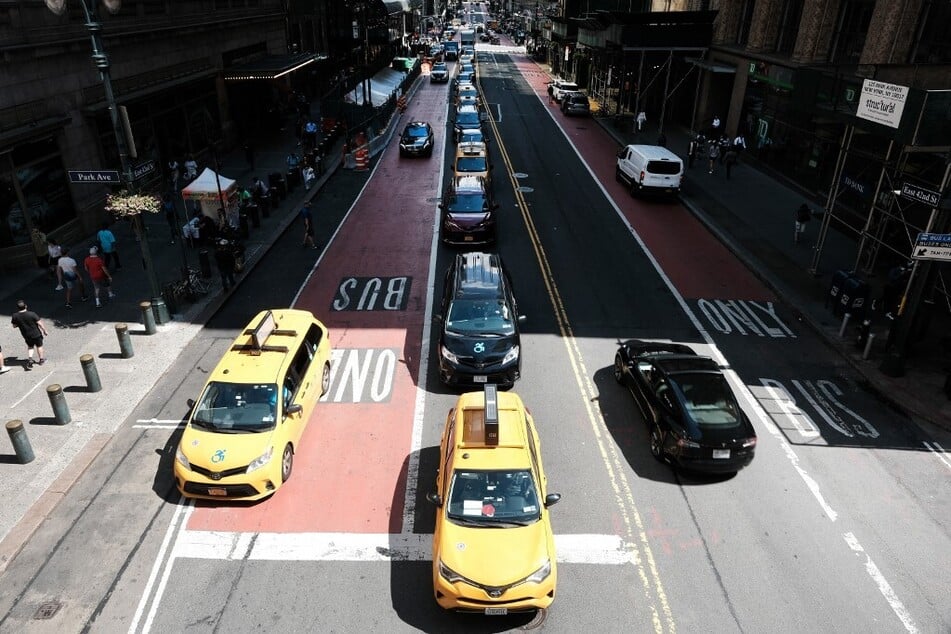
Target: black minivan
(479,340)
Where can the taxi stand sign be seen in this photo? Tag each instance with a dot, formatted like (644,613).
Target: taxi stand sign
(932,246)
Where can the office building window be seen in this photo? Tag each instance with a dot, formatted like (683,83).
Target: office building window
(933,42)
(38,169)
(854,18)
(746,21)
(789,26)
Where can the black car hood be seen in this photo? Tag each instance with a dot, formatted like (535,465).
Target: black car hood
(489,349)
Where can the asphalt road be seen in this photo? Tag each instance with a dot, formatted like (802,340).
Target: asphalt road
(840,523)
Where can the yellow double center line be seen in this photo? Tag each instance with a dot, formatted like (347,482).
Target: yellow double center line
(635,535)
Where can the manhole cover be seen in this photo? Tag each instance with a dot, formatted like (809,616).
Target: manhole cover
(526,190)
(519,175)
(47,610)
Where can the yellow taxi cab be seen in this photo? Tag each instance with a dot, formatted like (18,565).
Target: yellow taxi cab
(493,547)
(243,431)
(472,159)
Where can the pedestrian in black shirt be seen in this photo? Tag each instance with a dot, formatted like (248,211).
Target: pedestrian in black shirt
(32,329)
(224,258)
(803,215)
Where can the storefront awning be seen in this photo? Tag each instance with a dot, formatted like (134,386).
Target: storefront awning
(269,67)
(714,67)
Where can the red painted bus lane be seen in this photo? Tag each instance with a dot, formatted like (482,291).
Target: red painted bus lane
(370,290)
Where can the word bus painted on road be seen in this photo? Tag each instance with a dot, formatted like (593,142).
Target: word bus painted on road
(361,375)
(744,317)
(372,293)
(825,399)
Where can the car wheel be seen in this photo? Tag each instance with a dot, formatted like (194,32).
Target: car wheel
(657,442)
(633,187)
(325,380)
(287,462)
(618,369)
(617,175)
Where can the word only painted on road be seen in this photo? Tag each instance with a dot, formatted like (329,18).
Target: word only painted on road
(742,317)
(823,396)
(361,375)
(372,293)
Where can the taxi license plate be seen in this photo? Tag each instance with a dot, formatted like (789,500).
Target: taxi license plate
(496,611)
(218,492)
(721,454)
(467,238)
(480,378)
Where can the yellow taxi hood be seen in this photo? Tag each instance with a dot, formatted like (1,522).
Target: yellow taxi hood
(219,452)
(495,556)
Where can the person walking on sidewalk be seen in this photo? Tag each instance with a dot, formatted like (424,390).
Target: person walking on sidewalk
(224,259)
(68,276)
(3,367)
(729,160)
(107,242)
(692,151)
(713,153)
(99,275)
(308,219)
(32,329)
(803,215)
(191,168)
(40,248)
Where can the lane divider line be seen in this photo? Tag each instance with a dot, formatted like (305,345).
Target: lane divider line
(884,587)
(160,561)
(939,452)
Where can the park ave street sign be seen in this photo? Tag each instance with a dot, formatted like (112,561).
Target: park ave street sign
(93,176)
(932,246)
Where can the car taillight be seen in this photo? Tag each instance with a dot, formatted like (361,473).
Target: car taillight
(749,442)
(642,176)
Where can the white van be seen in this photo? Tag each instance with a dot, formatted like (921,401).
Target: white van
(649,168)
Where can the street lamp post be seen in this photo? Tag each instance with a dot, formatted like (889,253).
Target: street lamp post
(101,60)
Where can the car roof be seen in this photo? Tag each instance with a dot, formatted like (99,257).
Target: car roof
(263,347)
(466,108)
(478,275)
(469,184)
(654,152)
(470,148)
(511,450)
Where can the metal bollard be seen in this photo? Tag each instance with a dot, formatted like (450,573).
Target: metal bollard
(254,214)
(204,263)
(58,403)
(93,384)
(148,317)
(21,444)
(868,345)
(125,341)
(845,323)
(243,228)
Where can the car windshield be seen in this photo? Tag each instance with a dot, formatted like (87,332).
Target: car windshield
(471,164)
(467,203)
(707,398)
(418,132)
(470,136)
(467,119)
(236,407)
(493,497)
(479,316)
(568,86)
(440,66)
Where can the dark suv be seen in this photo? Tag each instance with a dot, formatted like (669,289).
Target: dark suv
(479,342)
(417,139)
(468,212)
(575,103)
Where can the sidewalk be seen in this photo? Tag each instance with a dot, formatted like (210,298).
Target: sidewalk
(753,215)
(31,491)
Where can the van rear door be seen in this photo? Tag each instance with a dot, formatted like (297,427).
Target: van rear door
(663,174)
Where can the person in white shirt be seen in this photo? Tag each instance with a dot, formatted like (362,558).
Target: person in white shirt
(68,275)
(739,143)
(191,168)
(308,174)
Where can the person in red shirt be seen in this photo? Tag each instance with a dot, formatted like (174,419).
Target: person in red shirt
(99,274)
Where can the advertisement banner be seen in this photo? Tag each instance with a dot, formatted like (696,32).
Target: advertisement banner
(882,102)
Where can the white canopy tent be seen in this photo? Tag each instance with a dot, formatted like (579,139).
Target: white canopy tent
(205,190)
(382,86)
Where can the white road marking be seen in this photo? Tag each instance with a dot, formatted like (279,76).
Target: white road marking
(883,586)
(159,561)
(158,423)
(938,451)
(32,389)
(168,570)
(369,547)
(797,418)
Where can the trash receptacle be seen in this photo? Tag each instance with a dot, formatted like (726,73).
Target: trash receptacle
(293,178)
(853,297)
(832,299)
(244,228)
(276,183)
(264,204)
(254,213)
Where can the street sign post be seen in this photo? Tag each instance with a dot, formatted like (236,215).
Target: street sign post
(932,246)
(143,169)
(94,176)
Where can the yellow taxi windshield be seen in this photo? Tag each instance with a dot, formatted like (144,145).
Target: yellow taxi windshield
(236,407)
(493,497)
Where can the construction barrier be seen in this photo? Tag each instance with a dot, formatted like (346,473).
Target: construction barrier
(362,158)
(401,103)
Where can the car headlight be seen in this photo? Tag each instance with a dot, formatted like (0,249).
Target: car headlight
(182,460)
(261,460)
(539,575)
(448,355)
(511,355)
(449,574)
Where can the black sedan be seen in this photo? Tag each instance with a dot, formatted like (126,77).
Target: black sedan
(417,139)
(692,415)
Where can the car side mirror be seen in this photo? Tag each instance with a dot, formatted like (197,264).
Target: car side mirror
(551,499)
(441,205)
(433,497)
(294,408)
(437,318)
(191,403)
